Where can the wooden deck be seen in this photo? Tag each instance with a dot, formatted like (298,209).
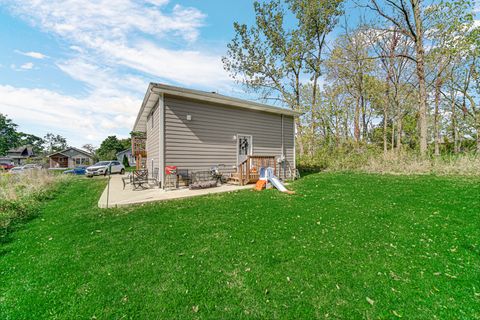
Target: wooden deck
(139,149)
(248,171)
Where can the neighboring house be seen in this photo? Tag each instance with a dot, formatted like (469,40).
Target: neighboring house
(6,160)
(70,158)
(19,155)
(196,130)
(126,153)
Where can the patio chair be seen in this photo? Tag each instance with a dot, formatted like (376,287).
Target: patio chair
(203,179)
(154,177)
(127,180)
(184,175)
(140,179)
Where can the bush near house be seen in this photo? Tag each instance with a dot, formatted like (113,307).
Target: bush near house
(125,162)
(371,159)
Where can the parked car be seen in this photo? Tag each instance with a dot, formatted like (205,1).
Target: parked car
(6,166)
(17,170)
(32,166)
(80,170)
(101,168)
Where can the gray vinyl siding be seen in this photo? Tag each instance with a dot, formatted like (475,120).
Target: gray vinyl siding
(208,139)
(153,140)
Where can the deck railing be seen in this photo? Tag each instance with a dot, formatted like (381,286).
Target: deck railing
(249,170)
(139,149)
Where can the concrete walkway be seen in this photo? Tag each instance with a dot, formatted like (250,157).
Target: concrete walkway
(120,198)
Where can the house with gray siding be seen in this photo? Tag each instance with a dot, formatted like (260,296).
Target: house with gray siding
(19,156)
(196,130)
(128,155)
(70,158)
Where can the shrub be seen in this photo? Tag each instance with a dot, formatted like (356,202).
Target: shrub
(331,158)
(371,159)
(21,194)
(409,163)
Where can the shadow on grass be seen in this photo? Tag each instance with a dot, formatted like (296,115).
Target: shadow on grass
(6,233)
(309,171)
(29,214)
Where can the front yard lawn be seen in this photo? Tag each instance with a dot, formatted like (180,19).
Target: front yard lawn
(347,246)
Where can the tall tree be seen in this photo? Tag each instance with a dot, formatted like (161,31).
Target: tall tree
(92,150)
(450,22)
(407,16)
(9,137)
(54,143)
(392,49)
(350,64)
(274,58)
(37,143)
(109,148)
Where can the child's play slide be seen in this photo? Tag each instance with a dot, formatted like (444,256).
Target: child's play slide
(267,174)
(277,184)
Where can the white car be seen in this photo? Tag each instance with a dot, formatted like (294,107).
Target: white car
(101,168)
(16,170)
(32,166)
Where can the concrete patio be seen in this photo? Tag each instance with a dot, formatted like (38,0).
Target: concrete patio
(117,197)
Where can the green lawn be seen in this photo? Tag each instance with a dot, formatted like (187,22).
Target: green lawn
(347,246)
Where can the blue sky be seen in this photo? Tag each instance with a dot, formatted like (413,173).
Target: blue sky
(81,68)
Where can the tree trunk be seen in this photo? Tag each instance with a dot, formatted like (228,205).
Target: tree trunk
(385,122)
(399,133)
(454,124)
(346,127)
(299,141)
(420,55)
(313,131)
(314,102)
(356,121)
(477,118)
(337,129)
(393,136)
(436,125)
(364,118)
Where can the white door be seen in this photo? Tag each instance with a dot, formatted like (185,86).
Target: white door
(244,147)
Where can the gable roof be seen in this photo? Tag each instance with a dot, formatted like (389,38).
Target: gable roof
(124,151)
(22,149)
(88,154)
(155,90)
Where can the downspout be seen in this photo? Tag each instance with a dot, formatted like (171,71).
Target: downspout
(161,133)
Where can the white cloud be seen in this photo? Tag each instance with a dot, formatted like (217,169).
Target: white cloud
(116,48)
(130,33)
(102,79)
(476,9)
(183,66)
(92,117)
(26,66)
(78,19)
(32,54)
(23,67)
(158,3)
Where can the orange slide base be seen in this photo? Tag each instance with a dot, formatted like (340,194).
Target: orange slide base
(260,185)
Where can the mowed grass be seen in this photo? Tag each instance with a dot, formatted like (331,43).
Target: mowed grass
(347,246)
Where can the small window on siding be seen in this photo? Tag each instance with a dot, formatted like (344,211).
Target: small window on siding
(151,120)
